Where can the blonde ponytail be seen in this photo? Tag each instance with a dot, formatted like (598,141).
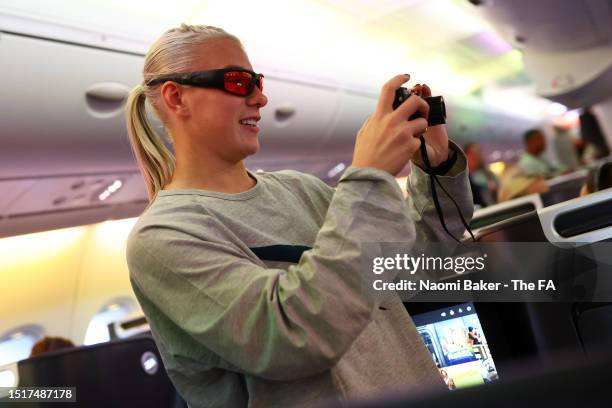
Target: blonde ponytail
(155,161)
(174,52)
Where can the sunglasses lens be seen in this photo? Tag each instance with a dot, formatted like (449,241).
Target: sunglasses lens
(238,83)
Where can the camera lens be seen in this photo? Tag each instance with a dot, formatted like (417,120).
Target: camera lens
(437,109)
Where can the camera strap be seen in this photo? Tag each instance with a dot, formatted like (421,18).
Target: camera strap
(433,178)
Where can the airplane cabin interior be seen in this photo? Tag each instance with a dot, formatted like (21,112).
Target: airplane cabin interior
(71,190)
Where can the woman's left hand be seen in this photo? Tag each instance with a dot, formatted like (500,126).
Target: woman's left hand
(436,137)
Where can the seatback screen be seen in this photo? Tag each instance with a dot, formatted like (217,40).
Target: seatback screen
(458,345)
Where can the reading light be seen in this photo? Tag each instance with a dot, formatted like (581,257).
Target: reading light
(336,170)
(111,189)
(149,363)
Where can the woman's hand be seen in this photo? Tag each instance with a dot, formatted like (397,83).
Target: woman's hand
(387,140)
(436,137)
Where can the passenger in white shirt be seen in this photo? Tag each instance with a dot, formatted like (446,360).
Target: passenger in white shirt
(532,163)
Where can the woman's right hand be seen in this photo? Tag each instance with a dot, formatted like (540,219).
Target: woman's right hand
(388,140)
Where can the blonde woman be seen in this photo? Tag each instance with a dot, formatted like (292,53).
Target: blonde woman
(251,282)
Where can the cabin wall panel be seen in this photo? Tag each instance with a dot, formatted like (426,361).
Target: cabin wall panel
(39,275)
(104,274)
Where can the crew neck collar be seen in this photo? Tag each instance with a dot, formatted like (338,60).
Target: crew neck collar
(244,195)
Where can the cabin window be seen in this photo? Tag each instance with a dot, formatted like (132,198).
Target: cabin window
(117,309)
(17,343)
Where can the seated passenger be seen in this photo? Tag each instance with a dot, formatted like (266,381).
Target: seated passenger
(483,182)
(515,184)
(47,344)
(532,163)
(598,178)
(252,282)
(593,136)
(565,147)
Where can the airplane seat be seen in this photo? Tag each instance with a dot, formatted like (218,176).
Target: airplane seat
(524,227)
(594,326)
(555,326)
(564,188)
(493,214)
(123,373)
(571,382)
(604,176)
(599,177)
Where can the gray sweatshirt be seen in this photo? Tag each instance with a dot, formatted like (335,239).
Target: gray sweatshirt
(254,299)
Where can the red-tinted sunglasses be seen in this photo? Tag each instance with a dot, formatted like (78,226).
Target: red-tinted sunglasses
(239,82)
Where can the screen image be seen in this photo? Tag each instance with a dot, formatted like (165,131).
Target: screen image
(457,344)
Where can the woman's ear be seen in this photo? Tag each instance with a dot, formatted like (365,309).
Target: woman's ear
(173,98)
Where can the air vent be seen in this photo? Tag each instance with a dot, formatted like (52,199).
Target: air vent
(284,113)
(479,3)
(106,99)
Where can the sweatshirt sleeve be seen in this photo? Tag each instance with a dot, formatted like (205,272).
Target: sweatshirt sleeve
(273,323)
(421,207)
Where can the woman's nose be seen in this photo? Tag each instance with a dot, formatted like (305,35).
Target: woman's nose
(257,98)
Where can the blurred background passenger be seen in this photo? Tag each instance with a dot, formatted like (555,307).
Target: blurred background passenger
(514,184)
(598,178)
(47,344)
(532,163)
(595,146)
(565,147)
(483,182)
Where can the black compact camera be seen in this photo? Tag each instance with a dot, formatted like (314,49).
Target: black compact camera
(437,109)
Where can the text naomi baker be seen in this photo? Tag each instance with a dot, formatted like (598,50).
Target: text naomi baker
(457,285)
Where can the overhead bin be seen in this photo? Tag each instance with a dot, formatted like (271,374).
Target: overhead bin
(63,107)
(297,118)
(566,48)
(575,79)
(63,134)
